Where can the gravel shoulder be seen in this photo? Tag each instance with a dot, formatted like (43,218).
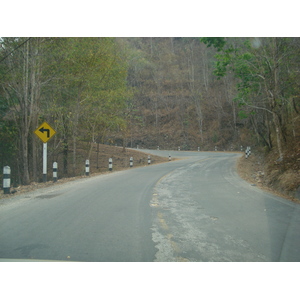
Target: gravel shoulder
(253,170)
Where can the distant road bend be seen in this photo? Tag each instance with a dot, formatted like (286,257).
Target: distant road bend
(194,209)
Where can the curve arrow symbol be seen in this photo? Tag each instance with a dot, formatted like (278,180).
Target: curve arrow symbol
(42,130)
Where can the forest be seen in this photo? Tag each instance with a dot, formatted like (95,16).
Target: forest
(189,92)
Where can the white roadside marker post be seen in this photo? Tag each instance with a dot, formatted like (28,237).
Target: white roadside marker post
(54,171)
(248,152)
(131,162)
(87,167)
(6,180)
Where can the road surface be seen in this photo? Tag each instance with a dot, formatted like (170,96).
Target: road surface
(194,209)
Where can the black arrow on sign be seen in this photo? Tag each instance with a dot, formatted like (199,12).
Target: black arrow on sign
(42,130)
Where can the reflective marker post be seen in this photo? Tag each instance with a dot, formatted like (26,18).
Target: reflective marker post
(6,180)
(248,152)
(110,164)
(87,167)
(131,162)
(55,171)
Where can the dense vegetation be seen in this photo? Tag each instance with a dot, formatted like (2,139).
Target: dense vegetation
(147,92)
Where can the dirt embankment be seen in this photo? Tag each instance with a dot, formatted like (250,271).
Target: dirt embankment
(281,177)
(98,165)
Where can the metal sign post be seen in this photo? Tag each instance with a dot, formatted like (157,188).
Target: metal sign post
(44,162)
(45,132)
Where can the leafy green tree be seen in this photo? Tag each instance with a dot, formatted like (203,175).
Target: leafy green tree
(91,90)
(21,84)
(262,68)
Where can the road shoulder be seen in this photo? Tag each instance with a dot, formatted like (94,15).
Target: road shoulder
(252,170)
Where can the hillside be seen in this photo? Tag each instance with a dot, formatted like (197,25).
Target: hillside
(188,92)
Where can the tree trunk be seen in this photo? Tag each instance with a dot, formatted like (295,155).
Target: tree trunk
(74,152)
(25,110)
(278,135)
(75,132)
(65,156)
(276,97)
(24,150)
(34,159)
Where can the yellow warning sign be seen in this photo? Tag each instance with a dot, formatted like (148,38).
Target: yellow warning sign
(45,132)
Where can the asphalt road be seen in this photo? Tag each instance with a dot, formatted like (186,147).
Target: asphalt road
(194,209)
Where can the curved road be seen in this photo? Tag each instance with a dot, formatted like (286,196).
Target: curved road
(194,209)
